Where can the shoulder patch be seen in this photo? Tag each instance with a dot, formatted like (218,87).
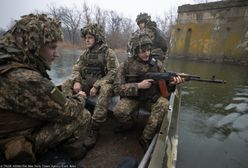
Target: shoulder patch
(58,96)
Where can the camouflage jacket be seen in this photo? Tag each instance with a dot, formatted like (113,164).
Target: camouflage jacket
(133,66)
(86,70)
(25,91)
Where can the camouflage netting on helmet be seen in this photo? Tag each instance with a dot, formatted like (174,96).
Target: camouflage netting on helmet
(30,33)
(96,30)
(143,17)
(138,40)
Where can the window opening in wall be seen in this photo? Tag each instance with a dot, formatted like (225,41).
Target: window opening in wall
(187,41)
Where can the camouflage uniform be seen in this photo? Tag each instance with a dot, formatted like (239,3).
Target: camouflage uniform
(96,67)
(159,46)
(131,97)
(34,114)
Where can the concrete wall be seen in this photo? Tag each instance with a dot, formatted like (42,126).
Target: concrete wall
(214,32)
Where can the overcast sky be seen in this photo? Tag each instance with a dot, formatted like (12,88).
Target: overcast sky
(13,9)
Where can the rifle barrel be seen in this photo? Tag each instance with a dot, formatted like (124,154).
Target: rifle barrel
(189,76)
(209,81)
(167,75)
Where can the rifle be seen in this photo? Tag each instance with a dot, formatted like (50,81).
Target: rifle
(163,77)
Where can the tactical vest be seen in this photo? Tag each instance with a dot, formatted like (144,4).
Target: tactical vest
(94,65)
(133,68)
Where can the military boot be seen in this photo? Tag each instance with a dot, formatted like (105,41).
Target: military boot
(19,150)
(93,134)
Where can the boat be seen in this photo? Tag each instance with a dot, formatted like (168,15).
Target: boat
(111,147)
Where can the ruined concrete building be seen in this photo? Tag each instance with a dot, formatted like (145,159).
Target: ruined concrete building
(214,32)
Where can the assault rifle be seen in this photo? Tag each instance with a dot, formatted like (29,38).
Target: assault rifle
(163,77)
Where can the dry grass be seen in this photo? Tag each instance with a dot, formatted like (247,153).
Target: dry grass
(120,50)
(69,45)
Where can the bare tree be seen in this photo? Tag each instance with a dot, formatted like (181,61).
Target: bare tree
(55,12)
(163,22)
(101,16)
(86,13)
(2,31)
(71,20)
(118,29)
(128,27)
(114,22)
(11,23)
(166,22)
(114,29)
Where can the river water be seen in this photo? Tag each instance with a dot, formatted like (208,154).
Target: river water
(213,131)
(213,128)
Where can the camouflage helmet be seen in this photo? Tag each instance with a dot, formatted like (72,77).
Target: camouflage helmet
(140,40)
(30,33)
(96,30)
(143,17)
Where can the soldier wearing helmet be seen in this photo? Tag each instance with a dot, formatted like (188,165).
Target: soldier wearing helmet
(96,30)
(34,114)
(159,43)
(94,73)
(135,92)
(142,19)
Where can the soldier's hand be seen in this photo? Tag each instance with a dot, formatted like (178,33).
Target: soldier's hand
(82,93)
(177,80)
(145,84)
(77,87)
(93,91)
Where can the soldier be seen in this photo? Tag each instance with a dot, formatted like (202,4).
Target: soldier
(159,46)
(94,73)
(34,114)
(134,93)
